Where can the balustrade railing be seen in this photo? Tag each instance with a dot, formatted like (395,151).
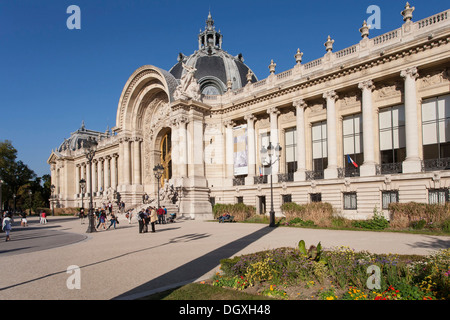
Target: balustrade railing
(260,179)
(436,164)
(314,175)
(389,168)
(286,177)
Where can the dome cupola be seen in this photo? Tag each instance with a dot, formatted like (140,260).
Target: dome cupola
(216,70)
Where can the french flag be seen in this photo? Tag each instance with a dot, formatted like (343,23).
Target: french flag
(350,160)
(260,172)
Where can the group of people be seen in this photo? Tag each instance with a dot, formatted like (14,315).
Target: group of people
(151,215)
(101,217)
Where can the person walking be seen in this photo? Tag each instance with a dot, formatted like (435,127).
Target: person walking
(7,226)
(102,220)
(23,221)
(82,215)
(153,218)
(113,221)
(129,215)
(43,217)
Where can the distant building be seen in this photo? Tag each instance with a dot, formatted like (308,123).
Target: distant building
(359,128)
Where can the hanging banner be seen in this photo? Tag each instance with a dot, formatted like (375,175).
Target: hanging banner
(240,150)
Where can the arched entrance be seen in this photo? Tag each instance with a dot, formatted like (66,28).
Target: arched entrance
(166,156)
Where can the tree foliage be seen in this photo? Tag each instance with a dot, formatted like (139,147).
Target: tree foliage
(19,180)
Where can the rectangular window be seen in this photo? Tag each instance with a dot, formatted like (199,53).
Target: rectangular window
(239,199)
(436,128)
(353,144)
(287,198)
(437,196)
(319,146)
(316,197)
(290,139)
(350,202)
(388,197)
(392,134)
(264,140)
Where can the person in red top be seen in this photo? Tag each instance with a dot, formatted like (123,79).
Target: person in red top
(43,217)
(160,215)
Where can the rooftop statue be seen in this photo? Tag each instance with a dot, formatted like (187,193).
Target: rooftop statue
(188,87)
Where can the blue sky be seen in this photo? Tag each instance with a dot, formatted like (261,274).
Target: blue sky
(53,78)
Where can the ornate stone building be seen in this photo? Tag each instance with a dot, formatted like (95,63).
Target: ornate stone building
(359,128)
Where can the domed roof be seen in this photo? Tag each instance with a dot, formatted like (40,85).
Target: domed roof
(79,138)
(215,67)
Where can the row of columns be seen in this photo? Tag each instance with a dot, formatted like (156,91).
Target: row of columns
(104,174)
(412,162)
(130,150)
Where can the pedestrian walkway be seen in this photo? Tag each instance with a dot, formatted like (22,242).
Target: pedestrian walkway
(123,264)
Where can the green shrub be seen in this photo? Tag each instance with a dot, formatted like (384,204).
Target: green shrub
(378,222)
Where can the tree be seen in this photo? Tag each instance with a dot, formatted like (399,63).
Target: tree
(16,175)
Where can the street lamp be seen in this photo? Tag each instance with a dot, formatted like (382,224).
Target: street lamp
(52,189)
(158,171)
(82,186)
(269,152)
(91,146)
(30,193)
(1,203)
(14,197)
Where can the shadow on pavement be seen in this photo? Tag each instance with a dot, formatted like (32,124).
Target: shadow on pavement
(196,268)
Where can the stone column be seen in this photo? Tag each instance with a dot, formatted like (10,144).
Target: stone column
(300,174)
(94,177)
(251,157)
(368,167)
(412,162)
(115,169)
(77,179)
(273,113)
(182,146)
(107,173)
(126,162)
(137,175)
(99,175)
(229,147)
(331,171)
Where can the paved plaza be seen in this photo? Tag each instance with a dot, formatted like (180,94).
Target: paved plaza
(123,264)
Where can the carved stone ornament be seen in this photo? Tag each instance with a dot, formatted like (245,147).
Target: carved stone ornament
(189,87)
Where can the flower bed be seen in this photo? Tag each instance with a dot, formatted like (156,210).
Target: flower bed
(337,273)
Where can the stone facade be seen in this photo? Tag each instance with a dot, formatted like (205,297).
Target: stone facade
(375,103)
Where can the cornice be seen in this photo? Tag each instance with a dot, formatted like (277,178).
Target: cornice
(376,60)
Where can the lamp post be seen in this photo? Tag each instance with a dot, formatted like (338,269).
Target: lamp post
(1,203)
(52,189)
(158,171)
(82,186)
(269,152)
(30,193)
(14,197)
(91,145)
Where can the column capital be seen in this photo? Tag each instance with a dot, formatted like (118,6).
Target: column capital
(180,120)
(366,85)
(300,103)
(273,110)
(250,117)
(330,95)
(229,123)
(410,72)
